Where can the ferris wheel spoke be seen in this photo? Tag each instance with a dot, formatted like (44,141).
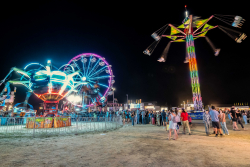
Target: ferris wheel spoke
(94,68)
(77,65)
(88,65)
(103,77)
(83,67)
(100,84)
(100,70)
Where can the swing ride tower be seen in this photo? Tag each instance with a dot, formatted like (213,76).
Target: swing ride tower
(186,33)
(197,100)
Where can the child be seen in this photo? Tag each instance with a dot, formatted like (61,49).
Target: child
(190,121)
(206,121)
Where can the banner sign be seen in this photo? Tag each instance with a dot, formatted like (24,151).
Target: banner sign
(197,115)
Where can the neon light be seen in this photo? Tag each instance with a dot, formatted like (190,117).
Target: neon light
(92,54)
(23,73)
(88,65)
(84,78)
(67,65)
(193,72)
(32,64)
(99,77)
(100,84)
(82,65)
(103,68)
(97,63)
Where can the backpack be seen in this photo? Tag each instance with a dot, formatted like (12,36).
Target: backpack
(175,120)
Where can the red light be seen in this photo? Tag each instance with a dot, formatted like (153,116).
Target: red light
(185,6)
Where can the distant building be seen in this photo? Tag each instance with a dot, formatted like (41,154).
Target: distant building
(229,106)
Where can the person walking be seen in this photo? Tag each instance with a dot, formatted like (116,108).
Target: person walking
(234,118)
(229,117)
(133,118)
(158,118)
(173,126)
(215,121)
(248,116)
(153,118)
(222,118)
(190,121)
(150,117)
(143,117)
(206,121)
(184,119)
(239,118)
(138,116)
(178,118)
(163,117)
(244,114)
(123,117)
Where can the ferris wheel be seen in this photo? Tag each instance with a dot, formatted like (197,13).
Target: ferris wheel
(94,81)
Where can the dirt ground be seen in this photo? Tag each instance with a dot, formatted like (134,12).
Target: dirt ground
(142,145)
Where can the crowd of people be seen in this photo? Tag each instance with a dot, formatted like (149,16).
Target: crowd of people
(218,118)
(174,119)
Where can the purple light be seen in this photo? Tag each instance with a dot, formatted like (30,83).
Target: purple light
(88,54)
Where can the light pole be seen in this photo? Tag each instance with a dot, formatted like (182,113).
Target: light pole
(113,97)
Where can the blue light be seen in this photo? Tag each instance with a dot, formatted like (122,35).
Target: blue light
(30,64)
(94,67)
(100,84)
(88,65)
(100,77)
(98,71)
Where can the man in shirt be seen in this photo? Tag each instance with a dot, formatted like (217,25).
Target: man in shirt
(184,119)
(215,120)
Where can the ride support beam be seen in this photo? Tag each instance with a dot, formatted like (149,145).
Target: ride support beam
(203,23)
(177,29)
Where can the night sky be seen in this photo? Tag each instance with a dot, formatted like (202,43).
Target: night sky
(59,30)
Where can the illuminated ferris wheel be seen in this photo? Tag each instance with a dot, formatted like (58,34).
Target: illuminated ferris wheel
(94,80)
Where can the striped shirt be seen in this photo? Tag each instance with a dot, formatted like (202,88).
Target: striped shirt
(206,117)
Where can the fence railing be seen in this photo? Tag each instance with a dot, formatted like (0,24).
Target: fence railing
(20,126)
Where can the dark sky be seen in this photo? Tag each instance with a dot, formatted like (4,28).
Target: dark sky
(120,31)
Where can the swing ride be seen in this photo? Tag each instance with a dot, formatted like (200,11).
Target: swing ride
(187,32)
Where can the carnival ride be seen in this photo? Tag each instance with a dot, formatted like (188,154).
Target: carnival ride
(94,80)
(78,81)
(187,32)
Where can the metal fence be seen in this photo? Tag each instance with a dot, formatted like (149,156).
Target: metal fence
(17,126)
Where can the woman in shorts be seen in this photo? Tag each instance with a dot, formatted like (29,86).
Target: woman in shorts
(172,126)
(234,119)
(178,115)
